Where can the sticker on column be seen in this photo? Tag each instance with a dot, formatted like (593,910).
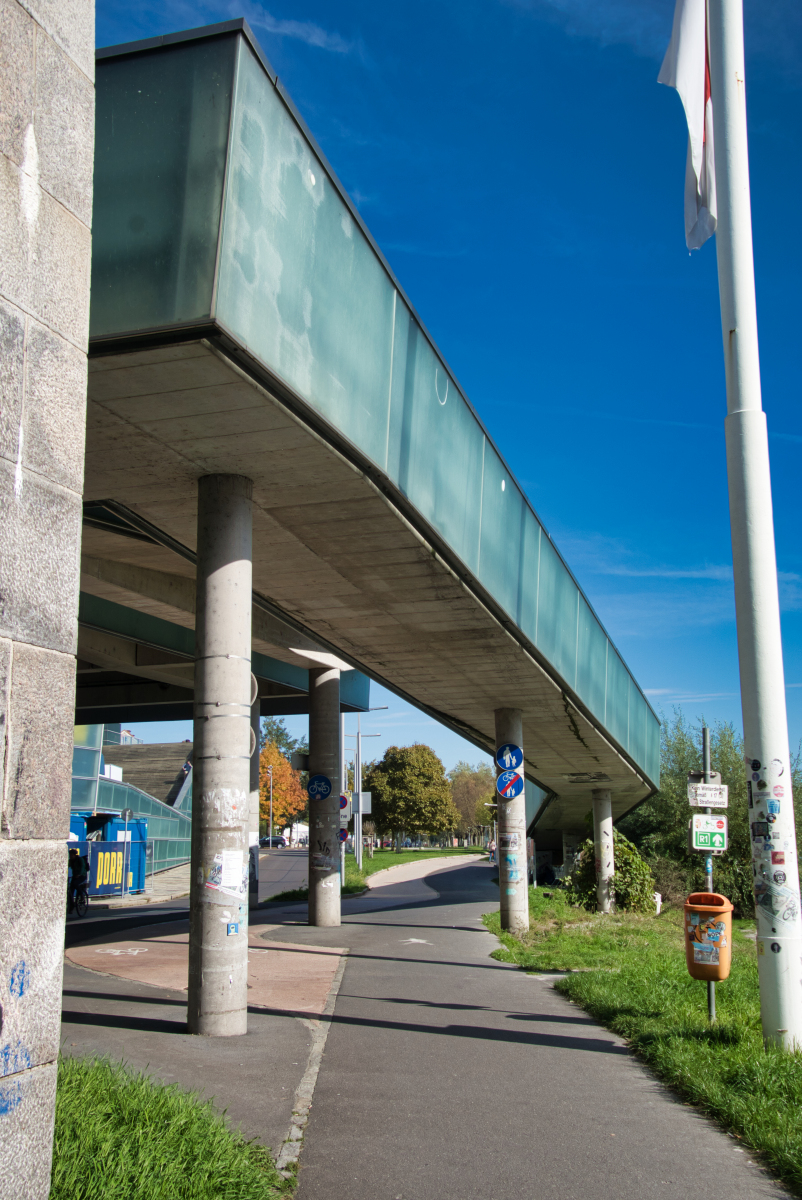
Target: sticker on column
(508,841)
(509,757)
(510,784)
(226,873)
(319,787)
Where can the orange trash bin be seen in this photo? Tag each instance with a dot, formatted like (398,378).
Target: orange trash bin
(708,935)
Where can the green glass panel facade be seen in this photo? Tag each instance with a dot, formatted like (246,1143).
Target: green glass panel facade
(557,600)
(160,152)
(299,285)
(169,831)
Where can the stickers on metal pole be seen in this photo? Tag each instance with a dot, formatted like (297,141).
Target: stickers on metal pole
(319,787)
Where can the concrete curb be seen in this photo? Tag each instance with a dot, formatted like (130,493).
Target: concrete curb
(433,864)
(287,1160)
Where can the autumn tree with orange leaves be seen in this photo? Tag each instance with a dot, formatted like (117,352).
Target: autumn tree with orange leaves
(289,798)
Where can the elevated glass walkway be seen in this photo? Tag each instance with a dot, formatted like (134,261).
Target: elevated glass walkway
(217,217)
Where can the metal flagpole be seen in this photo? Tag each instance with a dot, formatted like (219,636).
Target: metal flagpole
(771,813)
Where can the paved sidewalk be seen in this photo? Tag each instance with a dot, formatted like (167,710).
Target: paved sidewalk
(449,1075)
(124,997)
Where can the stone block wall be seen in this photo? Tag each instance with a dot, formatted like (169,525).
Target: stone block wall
(46,149)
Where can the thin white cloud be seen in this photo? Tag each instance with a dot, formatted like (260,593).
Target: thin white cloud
(301,31)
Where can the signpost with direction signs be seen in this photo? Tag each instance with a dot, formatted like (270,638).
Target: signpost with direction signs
(709,832)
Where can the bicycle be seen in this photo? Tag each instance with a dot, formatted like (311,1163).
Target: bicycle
(79,901)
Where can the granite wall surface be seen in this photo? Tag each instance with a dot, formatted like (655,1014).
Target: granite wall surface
(46,149)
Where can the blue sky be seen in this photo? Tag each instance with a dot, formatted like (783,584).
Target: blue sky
(523,172)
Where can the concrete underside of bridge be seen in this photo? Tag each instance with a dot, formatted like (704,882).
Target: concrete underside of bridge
(337,564)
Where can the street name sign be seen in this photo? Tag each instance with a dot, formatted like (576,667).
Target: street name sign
(709,832)
(708,795)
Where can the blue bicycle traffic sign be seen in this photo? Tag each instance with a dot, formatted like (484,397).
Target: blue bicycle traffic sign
(509,784)
(319,787)
(509,756)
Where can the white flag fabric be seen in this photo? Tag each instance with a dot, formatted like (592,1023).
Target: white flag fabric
(685,67)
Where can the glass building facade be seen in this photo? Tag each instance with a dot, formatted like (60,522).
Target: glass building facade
(169,827)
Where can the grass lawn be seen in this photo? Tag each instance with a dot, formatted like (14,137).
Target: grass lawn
(629,973)
(120,1136)
(356,881)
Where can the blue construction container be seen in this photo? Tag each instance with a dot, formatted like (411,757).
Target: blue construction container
(101,837)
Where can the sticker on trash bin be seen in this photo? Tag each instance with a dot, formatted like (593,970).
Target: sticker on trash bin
(706,954)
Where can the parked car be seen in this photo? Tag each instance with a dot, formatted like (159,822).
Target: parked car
(274,841)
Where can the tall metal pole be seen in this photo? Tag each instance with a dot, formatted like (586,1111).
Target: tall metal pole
(270,831)
(358,791)
(711,986)
(774,857)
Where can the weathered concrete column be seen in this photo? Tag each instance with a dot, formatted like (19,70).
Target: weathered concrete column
(324,811)
(603,842)
(571,843)
(47,102)
(253,810)
(218,920)
(511,846)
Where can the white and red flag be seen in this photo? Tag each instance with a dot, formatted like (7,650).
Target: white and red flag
(686,68)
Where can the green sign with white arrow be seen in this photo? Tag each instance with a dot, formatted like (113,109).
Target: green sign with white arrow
(709,832)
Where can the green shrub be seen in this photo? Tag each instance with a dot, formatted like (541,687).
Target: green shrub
(633,884)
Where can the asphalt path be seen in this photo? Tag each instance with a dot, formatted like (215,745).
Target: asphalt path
(449,1075)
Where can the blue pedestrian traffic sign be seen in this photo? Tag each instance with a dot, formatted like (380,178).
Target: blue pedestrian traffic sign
(510,784)
(319,787)
(509,757)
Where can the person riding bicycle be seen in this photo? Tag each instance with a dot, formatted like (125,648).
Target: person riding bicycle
(78,878)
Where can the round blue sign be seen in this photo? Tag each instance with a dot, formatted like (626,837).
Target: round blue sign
(319,787)
(509,784)
(343,835)
(509,757)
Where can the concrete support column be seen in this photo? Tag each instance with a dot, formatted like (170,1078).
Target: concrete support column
(253,810)
(324,811)
(511,844)
(603,844)
(571,842)
(218,919)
